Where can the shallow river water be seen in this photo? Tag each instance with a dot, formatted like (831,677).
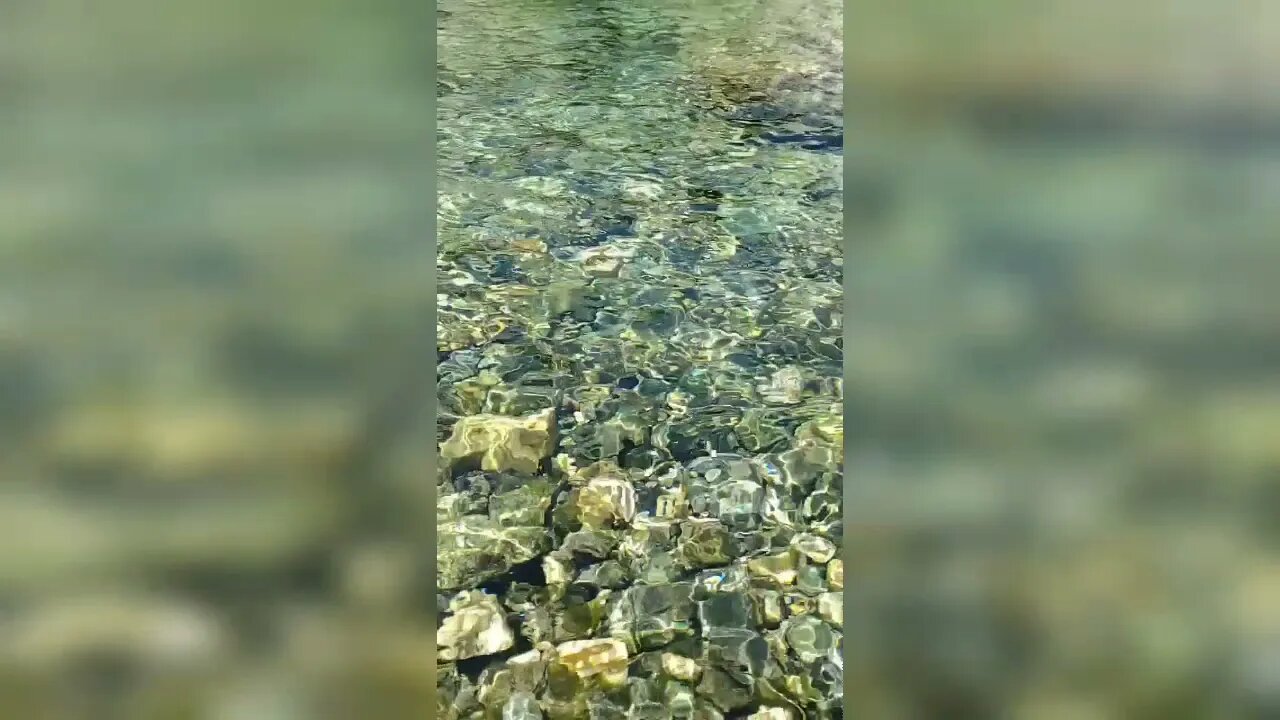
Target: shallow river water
(640,255)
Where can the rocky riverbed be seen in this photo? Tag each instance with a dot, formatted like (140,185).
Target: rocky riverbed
(640,349)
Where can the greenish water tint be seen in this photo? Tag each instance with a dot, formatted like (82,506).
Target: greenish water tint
(641,255)
(213,273)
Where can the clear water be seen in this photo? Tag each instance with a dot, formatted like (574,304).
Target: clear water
(673,169)
(640,225)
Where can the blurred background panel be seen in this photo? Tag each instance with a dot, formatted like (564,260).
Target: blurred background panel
(215,331)
(1062,352)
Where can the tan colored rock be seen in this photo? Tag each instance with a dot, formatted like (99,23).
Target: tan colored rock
(603,659)
(477,627)
(825,430)
(798,604)
(605,500)
(785,387)
(772,713)
(529,245)
(779,566)
(671,503)
(680,667)
(557,570)
(831,608)
(605,261)
(501,443)
(641,190)
(817,549)
(602,266)
(835,575)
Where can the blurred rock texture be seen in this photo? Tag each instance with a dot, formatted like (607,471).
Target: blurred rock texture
(215,337)
(1062,401)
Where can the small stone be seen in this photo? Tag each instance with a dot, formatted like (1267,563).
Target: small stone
(660,567)
(798,604)
(768,713)
(741,652)
(537,626)
(801,687)
(670,503)
(604,261)
(738,504)
(731,578)
(817,549)
(723,690)
(778,566)
(523,506)
(768,606)
(557,570)
(578,620)
(757,433)
(602,267)
(809,638)
(726,610)
(605,500)
(831,608)
(477,627)
(476,548)
(501,443)
(827,430)
(591,543)
(821,506)
(835,575)
(608,574)
(605,658)
(521,706)
(641,190)
(621,431)
(680,698)
(529,245)
(652,616)
(530,659)
(786,387)
(809,580)
(705,542)
(680,667)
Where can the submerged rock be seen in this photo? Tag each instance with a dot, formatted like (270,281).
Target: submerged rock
(602,661)
(499,443)
(681,667)
(476,548)
(477,627)
(522,706)
(835,575)
(818,549)
(831,608)
(606,501)
(780,566)
(809,638)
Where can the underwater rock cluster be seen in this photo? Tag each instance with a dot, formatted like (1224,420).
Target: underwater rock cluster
(689,590)
(639,500)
